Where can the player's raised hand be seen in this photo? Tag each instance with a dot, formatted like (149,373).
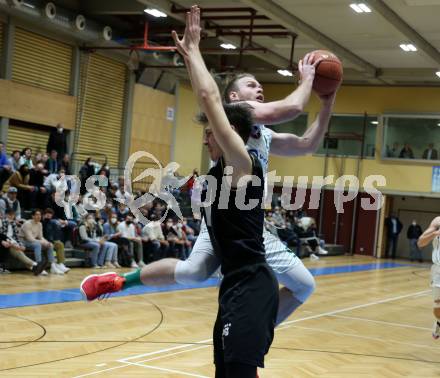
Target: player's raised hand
(191,36)
(307,67)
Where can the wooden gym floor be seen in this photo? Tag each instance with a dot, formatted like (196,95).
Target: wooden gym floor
(367,318)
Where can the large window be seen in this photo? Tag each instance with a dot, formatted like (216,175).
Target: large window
(411,137)
(298,126)
(346,136)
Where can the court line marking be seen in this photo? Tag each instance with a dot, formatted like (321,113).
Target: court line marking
(315,329)
(284,326)
(172,354)
(381,322)
(167,370)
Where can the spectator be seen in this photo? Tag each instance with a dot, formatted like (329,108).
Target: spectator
(5,166)
(406,152)
(128,231)
(394,151)
(10,242)
(26,192)
(430,153)
(15,160)
(10,201)
(51,181)
(32,231)
(52,163)
(26,158)
(92,237)
(57,141)
(38,158)
(111,232)
(152,235)
(394,226)
(413,233)
(36,179)
(172,235)
(122,211)
(52,233)
(65,164)
(86,171)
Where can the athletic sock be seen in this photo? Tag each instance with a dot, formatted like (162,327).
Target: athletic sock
(132,279)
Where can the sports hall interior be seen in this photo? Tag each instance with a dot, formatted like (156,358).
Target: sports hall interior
(95,67)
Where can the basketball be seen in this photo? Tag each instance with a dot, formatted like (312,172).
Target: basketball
(328,72)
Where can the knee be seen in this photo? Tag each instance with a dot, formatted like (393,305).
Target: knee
(189,273)
(302,289)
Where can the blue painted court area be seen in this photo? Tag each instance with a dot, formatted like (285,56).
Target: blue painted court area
(74,295)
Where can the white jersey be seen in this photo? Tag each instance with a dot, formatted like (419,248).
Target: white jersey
(259,143)
(436,250)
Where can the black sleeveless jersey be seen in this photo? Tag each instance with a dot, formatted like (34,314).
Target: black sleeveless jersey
(236,235)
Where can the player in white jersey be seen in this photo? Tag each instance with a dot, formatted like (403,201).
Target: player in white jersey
(298,283)
(432,233)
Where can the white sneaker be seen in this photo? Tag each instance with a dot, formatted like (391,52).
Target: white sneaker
(64,268)
(141,264)
(313,257)
(116,265)
(134,265)
(4,271)
(436,330)
(55,270)
(109,265)
(322,251)
(44,273)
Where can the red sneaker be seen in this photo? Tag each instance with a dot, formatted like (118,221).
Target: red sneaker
(97,285)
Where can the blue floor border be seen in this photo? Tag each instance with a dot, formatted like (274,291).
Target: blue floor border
(74,295)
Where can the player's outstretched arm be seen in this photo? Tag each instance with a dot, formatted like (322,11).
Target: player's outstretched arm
(284,144)
(270,113)
(430,233)
(208,96)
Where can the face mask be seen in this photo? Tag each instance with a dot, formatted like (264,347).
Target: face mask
(414,223)
(60,130)
(114,220)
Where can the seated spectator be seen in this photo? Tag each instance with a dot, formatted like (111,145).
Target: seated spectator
(92,237)
(52,233)
(26,192)
(174,238)
(430,153)
(122,211)
(406,152)
(10,242)
(195,223)
(65,164)
(14,160)
(128,231)
(44,159)
(87,170)
(52,163)
(153,236)
(26,158)
(394,151)
(189,232)
(5,166)
(110,229)
(10,201)
(51,181)
(306,231)
(36,179)
(33,239)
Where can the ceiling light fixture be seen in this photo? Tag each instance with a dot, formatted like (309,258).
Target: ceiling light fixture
(285,73)
(228,46)
(408,47)
(374,122)
(360,8)
(155,12)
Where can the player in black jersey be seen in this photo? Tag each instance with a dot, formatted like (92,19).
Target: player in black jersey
(248,298)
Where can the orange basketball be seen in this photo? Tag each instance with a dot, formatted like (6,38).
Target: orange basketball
(328,74)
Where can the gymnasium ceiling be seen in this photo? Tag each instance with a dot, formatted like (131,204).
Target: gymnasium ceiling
(367,43)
